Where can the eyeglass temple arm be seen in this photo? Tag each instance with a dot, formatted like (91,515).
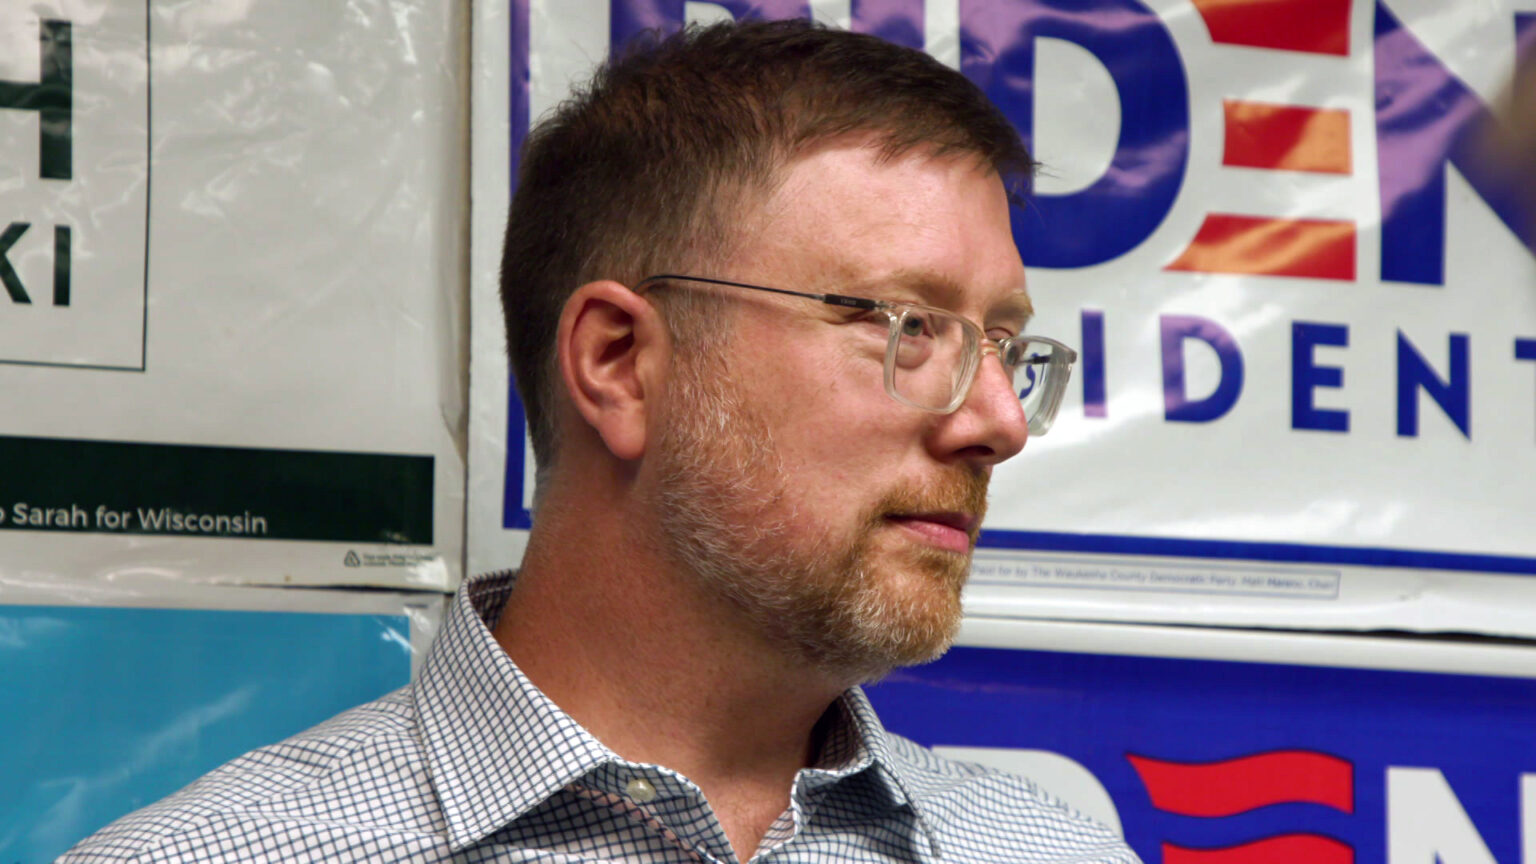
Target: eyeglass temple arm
(829,299)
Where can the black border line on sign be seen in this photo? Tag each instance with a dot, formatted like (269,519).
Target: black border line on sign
(149,176)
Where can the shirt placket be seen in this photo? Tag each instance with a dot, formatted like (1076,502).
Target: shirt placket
(667,806)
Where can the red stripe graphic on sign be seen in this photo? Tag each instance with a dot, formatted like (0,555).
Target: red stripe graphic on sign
(1285,849)
(1239,785)
(1313,26)
(1312,248)
(1286,137)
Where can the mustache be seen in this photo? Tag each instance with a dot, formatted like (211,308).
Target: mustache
(953,492)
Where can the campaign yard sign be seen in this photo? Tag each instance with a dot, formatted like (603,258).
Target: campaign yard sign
(1302,292)
(1202,760)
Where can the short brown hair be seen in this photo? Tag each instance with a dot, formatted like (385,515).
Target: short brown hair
(642,170)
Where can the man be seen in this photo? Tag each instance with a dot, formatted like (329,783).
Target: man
(765,312)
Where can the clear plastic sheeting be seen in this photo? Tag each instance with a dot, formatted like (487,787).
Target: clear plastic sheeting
(232,330)
(118,697)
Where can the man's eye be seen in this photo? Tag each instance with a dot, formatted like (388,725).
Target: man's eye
(916,324)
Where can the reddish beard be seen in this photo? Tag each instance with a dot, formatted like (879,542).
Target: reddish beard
(858,603)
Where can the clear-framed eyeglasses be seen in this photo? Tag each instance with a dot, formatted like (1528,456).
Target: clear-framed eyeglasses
(932,354)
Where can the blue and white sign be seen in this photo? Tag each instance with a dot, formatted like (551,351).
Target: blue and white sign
(1212,761)
(1302,292)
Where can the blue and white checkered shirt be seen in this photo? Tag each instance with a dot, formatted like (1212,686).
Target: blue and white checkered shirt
(474,763)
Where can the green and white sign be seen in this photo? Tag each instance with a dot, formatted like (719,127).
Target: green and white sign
(231,290)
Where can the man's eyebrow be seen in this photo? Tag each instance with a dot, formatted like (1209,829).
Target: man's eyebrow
(931,288)
(937,290)
(1015,307)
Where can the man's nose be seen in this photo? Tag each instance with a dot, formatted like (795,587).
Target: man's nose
(989,426)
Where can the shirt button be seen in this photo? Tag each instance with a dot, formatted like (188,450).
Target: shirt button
(640,791)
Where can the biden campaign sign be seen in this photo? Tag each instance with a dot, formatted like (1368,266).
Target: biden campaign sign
(1202,760)
(1301,289)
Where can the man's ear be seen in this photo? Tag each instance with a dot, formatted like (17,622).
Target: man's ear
(610,342)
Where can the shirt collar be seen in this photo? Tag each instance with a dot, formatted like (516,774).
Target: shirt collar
(497,746)
(861,742)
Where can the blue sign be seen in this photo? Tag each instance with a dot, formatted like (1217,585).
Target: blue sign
(1227,762)
(108,709)
(1292,249)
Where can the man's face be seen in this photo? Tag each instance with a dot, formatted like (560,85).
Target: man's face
(840,521)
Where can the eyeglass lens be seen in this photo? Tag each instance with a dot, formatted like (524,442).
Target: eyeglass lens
(931,356)
(1035,368)
(934,353)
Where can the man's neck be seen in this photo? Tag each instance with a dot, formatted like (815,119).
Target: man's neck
(662,672)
